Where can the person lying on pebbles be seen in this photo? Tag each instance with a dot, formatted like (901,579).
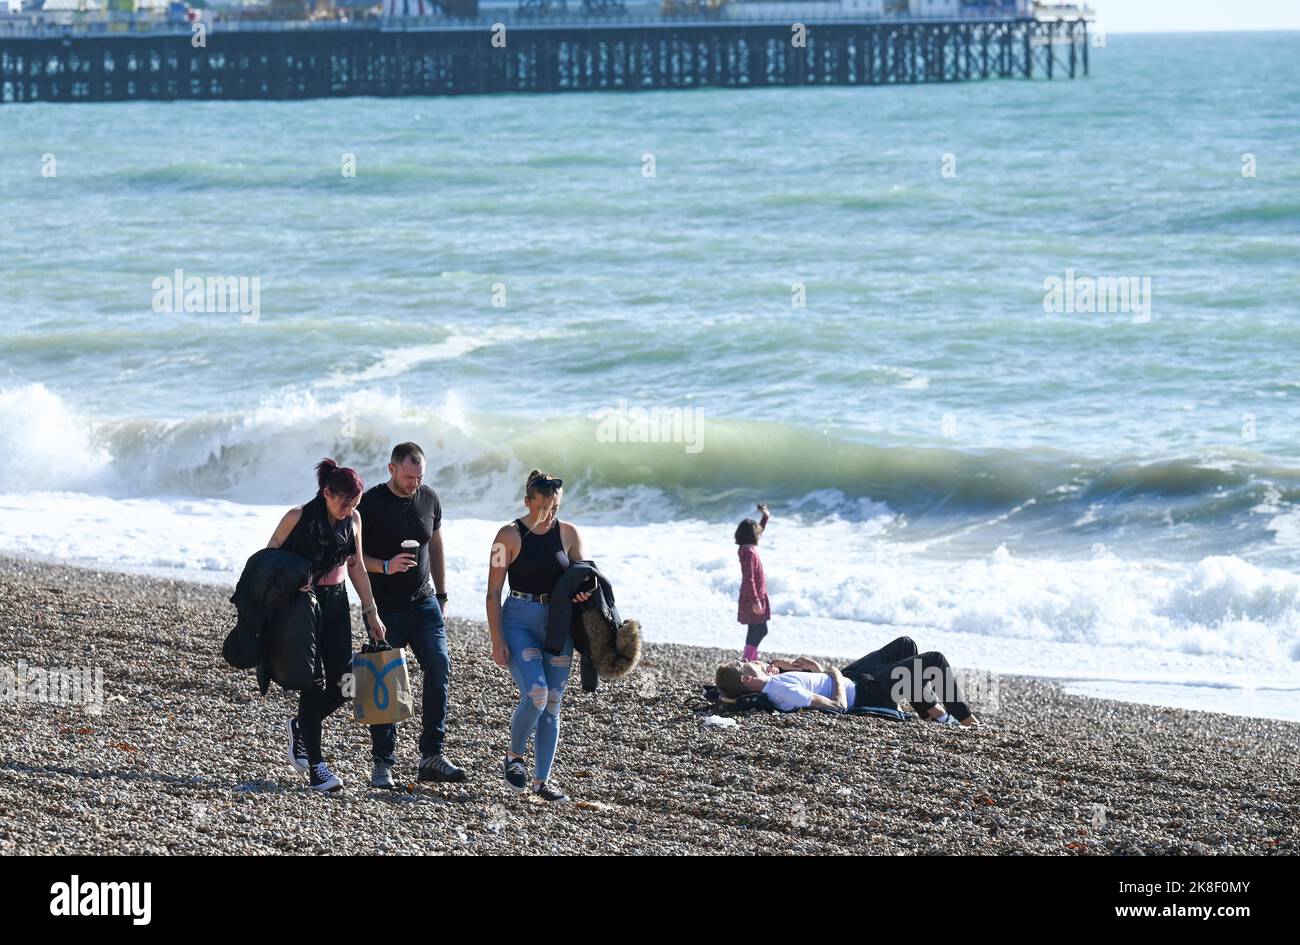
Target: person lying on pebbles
(892,674)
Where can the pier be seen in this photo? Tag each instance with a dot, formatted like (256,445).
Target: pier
(455,57)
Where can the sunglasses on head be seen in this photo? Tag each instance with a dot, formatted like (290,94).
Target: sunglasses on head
(542,482)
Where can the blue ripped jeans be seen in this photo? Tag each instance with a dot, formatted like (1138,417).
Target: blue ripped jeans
(541,679)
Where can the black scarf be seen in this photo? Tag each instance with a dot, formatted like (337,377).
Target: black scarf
(332,545)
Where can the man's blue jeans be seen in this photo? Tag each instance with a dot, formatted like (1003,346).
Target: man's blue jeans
(421,628)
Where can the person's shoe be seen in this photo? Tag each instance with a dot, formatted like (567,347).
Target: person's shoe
(548,793)
(516,774)
(323,779)
(438,768)
(297,751)
(381,776)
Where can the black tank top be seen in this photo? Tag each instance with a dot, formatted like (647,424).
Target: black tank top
(314,538)
(540,562)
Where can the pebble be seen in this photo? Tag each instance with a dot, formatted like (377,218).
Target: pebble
(203,768)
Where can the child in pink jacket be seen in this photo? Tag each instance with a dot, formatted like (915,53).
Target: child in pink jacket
(755,611)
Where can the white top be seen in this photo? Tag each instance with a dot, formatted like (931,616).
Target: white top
(795,690)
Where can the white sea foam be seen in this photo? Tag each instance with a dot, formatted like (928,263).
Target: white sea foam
(196,497)
(399,361)
(44,443)
(1219,627)
(266,454)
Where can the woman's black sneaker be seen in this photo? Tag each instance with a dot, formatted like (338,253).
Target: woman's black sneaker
(323,779)
(516,773)
(297,751)
(548,793)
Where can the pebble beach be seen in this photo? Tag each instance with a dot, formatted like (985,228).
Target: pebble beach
(185,757)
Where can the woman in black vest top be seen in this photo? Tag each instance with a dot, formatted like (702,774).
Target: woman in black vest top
(532,552)
(327,531)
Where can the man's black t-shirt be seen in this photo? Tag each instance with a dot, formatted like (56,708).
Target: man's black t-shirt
(386,521)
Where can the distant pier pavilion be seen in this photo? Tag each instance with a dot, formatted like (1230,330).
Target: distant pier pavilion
(517,53)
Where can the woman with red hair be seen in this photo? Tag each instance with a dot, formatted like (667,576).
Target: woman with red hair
(327,531)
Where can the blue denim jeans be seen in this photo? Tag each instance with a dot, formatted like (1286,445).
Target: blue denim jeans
(421,628)
(541,679)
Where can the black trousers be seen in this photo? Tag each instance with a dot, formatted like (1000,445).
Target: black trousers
(897,670)
(756,633)
(334,643)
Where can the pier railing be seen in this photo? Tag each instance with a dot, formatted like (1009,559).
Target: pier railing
(384,58)
(116,24)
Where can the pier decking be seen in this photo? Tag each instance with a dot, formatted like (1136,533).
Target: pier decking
(267,61)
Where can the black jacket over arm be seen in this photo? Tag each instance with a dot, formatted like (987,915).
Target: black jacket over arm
(564,617)
(276,628)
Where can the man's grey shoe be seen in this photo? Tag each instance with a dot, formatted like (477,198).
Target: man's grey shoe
(438,768)
(381,776)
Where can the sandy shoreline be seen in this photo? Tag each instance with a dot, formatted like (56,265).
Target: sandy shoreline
(188,758)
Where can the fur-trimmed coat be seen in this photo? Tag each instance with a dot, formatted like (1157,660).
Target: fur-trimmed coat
(610,646)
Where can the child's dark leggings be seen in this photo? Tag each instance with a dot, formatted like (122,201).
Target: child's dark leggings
(756,633)
(914,685)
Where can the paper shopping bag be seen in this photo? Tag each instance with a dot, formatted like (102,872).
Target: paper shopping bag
(383,686)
